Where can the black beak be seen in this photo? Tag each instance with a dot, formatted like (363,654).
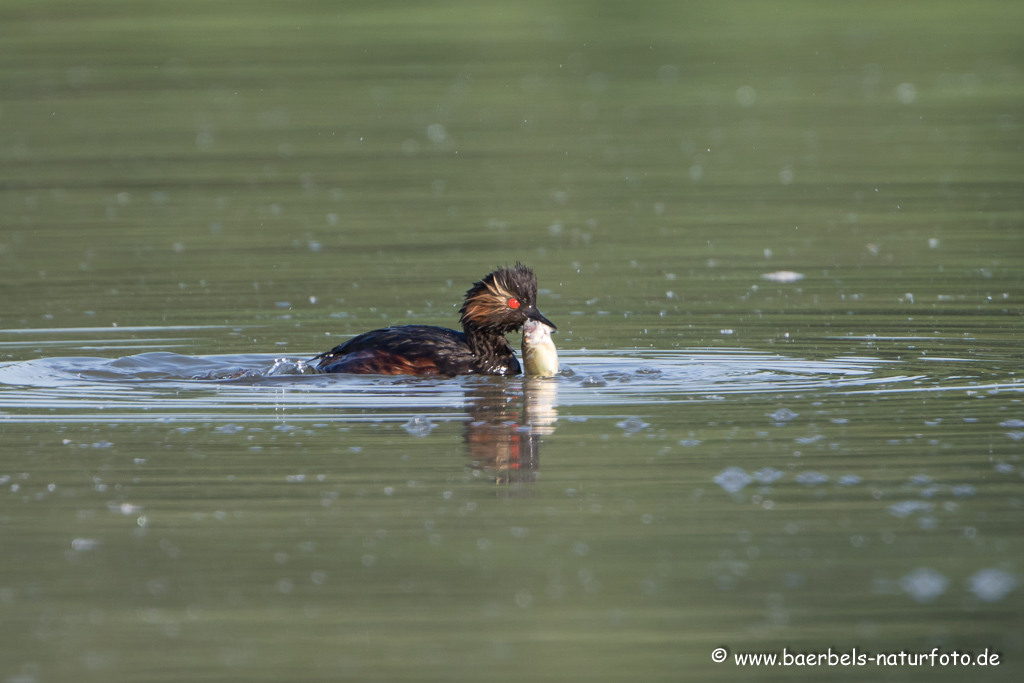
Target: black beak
(534,314)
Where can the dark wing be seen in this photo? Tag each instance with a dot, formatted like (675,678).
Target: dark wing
(403,350)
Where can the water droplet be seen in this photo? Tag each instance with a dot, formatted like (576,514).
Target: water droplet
(783,276)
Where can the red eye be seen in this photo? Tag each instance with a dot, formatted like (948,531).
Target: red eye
(513,303)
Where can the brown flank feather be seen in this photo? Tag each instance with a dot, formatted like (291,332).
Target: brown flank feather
(378,362)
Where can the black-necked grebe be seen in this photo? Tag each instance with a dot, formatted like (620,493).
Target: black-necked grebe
(496,305)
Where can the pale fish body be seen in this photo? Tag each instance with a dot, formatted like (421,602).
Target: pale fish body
(540,358)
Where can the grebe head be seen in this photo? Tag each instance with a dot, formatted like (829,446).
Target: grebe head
(502,301)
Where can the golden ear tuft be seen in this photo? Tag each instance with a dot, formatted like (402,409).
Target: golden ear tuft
(490,300)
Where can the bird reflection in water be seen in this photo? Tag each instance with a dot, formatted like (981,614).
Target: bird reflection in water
(507,424)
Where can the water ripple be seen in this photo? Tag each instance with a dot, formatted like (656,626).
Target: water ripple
(172,387)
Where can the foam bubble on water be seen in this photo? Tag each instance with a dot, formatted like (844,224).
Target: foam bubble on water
(924,584)
(126,508)
(410,146)
(768,475)
(668,73)
(991,585)
(733,479)
(783,415)
(906,93)
(746,96)
(632,425)
(419,426)
(908,507)
(437,133)
(812,478)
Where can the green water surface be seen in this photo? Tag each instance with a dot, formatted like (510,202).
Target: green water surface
(271,177)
